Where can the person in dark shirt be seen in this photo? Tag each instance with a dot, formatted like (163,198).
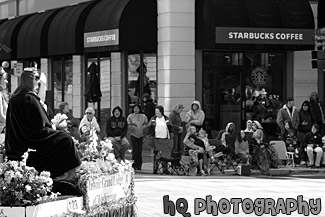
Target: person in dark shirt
(149,106)
(116,129)
(314,144)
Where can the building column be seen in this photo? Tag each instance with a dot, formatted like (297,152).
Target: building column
(116,80)
(77,96)
(176,53)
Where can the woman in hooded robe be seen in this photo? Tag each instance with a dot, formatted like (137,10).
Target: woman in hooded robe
(28,127)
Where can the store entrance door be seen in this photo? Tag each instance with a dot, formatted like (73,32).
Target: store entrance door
(222,91)
(241,86)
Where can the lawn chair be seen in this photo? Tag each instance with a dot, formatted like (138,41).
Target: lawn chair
(283,154)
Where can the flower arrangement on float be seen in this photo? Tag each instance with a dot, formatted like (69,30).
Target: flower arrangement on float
(59,122)
(21,185)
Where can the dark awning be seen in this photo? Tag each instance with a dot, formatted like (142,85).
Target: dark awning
(134,20)
(267,14)
(65,34)
(8,36)
(32,35)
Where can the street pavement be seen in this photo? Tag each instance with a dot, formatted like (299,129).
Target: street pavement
(193,195)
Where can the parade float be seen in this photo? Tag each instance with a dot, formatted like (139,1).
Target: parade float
(106,185)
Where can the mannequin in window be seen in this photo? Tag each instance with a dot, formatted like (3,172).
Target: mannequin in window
(146,82)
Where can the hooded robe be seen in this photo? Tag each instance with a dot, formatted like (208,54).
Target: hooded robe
(28,126)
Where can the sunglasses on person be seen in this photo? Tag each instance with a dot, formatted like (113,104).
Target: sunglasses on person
(37,77)
(89,113)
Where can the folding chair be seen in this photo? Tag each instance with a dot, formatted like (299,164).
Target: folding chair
(222,161)
(163,158)
(283,154)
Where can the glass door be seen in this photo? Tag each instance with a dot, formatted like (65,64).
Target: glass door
(241,86)
(142,78)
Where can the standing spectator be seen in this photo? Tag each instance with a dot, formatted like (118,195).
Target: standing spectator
(195,116)
(160,129)
(149,106)
(4,99)
(306,120)
(136,123)
(288,113)
(314,144)
(317,108)
(176,120)
(73,123)
(116,130)
(323,158)
(87,123)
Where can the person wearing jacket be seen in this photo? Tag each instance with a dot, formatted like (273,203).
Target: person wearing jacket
(314,145)
(176,120)
(306,120)
(116,129)
(288,113)
(87,123)
(195,116)
(317,108)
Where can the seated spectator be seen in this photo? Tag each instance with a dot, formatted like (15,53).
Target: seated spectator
(208,156)
(242,148)
(291,140)
(116,130)
(73,123)
(28,127)
(263,154)
(228,141)
(314,142)
(196,141)
(87,124)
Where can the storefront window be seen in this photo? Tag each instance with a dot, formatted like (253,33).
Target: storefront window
(101,65)
(62,80)
(142,79)
(240,86)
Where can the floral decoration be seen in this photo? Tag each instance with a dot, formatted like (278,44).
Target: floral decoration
(21,185)
(59,122)
(94,148)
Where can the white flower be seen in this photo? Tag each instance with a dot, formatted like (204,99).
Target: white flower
(28,188)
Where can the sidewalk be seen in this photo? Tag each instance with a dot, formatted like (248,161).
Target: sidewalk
(147,167)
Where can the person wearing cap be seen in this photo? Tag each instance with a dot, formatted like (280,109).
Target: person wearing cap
(28,127)
(176,120)
(116,130)
(195,116)
(288,113)
(4,99)
(87,123)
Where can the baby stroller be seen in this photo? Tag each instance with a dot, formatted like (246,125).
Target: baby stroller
(164,160)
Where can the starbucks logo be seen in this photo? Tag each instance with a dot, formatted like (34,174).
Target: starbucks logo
(259,76)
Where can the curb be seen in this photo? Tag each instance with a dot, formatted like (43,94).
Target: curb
(282,171)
